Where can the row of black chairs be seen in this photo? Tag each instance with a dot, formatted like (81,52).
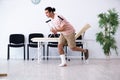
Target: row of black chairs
(18,40)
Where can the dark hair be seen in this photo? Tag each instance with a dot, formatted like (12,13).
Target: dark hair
(50,9)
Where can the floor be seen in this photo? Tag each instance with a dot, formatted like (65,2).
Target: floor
(49,70)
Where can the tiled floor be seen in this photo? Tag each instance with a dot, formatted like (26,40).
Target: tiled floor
(49,70)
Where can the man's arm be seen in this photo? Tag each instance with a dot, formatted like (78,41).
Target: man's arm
(60,29)
(55,30)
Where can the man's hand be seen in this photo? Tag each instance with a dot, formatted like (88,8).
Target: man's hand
(53,30)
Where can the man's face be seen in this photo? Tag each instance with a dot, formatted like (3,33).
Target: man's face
(48,14)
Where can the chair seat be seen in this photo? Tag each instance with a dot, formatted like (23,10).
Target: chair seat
(52,44)
(33,45)
(79,44)
(14,45)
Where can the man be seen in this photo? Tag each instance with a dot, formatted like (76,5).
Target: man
(67,34)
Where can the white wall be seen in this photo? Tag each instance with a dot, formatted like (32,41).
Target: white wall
(21,16)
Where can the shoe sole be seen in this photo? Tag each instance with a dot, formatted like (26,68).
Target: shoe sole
(63,65)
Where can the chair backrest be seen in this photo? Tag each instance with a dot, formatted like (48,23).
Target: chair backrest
(82,31)
(16,38)
(79,38)
(53,36)
(33,35)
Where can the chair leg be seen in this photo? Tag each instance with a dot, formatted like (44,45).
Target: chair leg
(47,52)
(66,52)
(82,54)
(24,52)
(27,52)
(43,52)
(8,55)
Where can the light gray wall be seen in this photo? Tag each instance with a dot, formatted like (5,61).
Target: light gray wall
(21,16)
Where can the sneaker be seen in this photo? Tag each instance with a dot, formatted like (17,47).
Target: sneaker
(86,54)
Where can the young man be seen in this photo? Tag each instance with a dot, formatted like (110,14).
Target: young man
(67,34)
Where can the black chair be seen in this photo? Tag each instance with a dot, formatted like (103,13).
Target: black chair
(34,44)
(16,40)
(52,44)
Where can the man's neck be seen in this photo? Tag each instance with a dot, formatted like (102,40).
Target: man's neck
(53,16)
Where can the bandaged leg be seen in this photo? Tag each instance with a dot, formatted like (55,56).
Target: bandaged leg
(63,61)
